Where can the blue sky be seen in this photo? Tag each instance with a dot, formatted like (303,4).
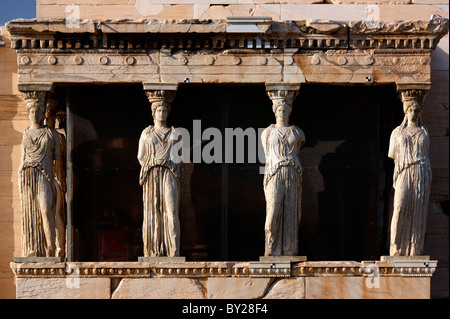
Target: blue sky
(15,9)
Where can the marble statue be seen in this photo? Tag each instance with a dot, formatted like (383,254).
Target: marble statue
(282,179)
(60,183)
(40,150)
(159,178)
(409,144)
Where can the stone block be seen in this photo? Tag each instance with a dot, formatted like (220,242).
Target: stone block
(278,259)
(7,236)
(345,12)
(435,2)
(158,288)
(162,259)
(38,259)
(415,12)
(8,290)
(78,2)
(389,2)
(367,288)
(63,288)
(237,288)
(119,11)
(293,288)
(238,10)
(221,68)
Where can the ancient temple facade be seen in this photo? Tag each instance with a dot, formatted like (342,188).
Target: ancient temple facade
(99,65)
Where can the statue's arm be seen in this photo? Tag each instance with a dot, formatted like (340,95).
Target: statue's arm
(264,140)
(22,155)
(392,144)
(300,136)
(141,148)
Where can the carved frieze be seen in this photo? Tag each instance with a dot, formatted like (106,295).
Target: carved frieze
(225,269)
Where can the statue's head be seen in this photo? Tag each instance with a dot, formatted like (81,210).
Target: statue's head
(160,110)
(412,104)
(413,110)
(35,107)
(282,109)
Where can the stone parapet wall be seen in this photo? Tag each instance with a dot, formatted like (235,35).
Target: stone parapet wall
(225,280)
(218,9)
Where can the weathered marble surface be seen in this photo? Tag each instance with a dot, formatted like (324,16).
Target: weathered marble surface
(225,280)
(277,9)
(282,177)
(159,288)
(40,159)
(159,178)
(291,52)
(409,148)
(58,288)
(357,288)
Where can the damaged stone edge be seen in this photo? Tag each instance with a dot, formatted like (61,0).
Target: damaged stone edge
(436,25)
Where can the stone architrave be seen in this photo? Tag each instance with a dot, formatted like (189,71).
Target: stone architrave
(409,145)
(159,178)
(283,175)
(40,149)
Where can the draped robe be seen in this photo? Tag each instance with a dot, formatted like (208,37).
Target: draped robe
(282,189)
(412,179)
(40,148)
(161,193)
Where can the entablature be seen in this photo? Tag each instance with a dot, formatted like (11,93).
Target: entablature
(212,51)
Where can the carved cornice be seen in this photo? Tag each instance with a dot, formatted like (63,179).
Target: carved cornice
(223,269)
(436,25)
(56,34)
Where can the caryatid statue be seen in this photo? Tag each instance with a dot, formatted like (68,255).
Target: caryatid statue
(52,116)
(409,144)
(283,178)
(40,150)
(159,178)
